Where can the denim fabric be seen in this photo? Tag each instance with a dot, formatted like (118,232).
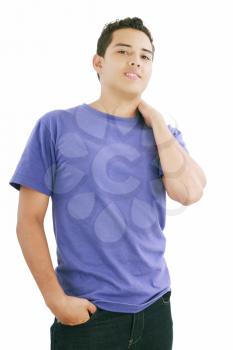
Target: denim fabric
(149,329)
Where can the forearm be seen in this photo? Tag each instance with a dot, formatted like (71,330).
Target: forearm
(34,245)
(183,178)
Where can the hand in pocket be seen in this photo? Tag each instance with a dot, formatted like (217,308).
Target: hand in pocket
(73,311)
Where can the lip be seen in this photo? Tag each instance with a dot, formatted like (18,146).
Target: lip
(132,75)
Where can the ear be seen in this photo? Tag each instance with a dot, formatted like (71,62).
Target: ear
(97,63)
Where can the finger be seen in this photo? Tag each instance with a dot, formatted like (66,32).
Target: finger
(92,308)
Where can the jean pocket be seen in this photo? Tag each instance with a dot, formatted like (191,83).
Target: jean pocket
(92,316)
(166,297)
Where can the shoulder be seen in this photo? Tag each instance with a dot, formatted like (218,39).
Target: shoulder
(55,116)
(57,120)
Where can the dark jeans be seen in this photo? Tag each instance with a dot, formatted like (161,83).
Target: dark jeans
(149,329)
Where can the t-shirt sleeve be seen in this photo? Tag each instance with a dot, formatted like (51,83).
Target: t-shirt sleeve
(179,137)
(37,163)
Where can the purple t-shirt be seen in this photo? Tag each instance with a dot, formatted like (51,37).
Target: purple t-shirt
(108,204)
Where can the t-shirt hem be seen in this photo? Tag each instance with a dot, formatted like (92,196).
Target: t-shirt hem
(127,308)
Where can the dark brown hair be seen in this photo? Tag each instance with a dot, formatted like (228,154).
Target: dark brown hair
(105,38)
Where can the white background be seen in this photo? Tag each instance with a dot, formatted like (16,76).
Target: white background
(46,50)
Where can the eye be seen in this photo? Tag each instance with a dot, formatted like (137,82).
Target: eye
(146,57)
(122,51)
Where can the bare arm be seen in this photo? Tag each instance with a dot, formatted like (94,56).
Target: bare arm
(183,178)
(32,239)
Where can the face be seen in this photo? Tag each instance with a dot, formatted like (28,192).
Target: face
(129,52)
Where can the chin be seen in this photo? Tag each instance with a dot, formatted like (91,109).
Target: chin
(133,90)
(137,88)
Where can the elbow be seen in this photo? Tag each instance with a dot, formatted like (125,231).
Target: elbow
(19,228)
(26,225)
(183,193)
(194,192)
(191,199)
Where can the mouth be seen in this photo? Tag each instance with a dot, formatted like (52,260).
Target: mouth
(132,76)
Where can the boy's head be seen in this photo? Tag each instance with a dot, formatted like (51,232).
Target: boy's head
(135,54)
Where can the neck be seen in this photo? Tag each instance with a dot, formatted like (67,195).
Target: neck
(116,105)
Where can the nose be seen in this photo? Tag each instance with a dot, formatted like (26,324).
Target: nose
(132,63)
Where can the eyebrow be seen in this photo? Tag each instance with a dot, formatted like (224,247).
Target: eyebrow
(122,44)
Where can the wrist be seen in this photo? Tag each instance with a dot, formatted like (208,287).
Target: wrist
(55,299)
